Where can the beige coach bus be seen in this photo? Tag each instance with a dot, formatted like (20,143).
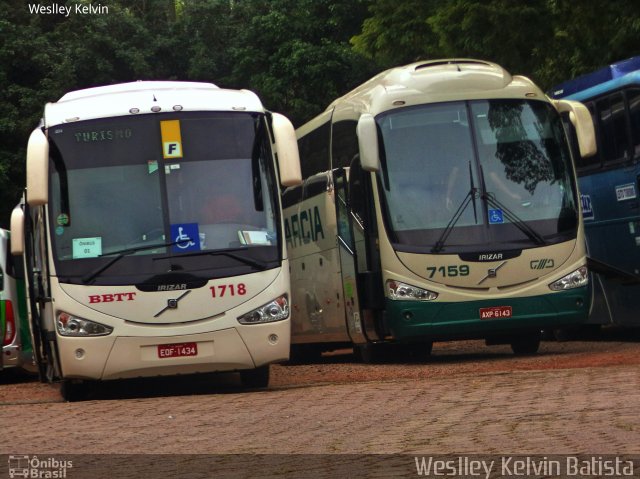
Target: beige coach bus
(152,234)
(439,202)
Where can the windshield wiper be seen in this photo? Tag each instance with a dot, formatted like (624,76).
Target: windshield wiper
(454,219)
(471,197)
(230,253)
(256,177)
(515,219)
(121,254)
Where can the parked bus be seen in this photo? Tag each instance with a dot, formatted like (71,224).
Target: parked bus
(16,340)
(439,202)
(609,183)
(152,234)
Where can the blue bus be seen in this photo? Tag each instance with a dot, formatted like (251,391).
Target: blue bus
(609,185)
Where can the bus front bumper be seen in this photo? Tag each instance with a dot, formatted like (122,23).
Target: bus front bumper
(441,321)
(123,357)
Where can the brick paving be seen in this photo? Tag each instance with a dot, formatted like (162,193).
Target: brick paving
(566,411)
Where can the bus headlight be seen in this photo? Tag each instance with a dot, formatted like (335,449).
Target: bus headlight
(276,310)
(73,326)
(406,292)
(578,278)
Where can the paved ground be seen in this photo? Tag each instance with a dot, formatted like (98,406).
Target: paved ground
(587,410)
(591,410)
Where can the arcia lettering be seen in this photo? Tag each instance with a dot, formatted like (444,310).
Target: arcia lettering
(303,227)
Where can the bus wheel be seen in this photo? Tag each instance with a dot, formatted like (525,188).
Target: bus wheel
(304,354)
(417,351)
(74,391)
(255,378)
(526,345)
(370,353)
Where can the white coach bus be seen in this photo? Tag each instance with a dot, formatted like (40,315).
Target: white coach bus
(152,234)
(439,202)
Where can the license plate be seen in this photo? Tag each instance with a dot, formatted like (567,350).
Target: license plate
(496,312)
(177,350)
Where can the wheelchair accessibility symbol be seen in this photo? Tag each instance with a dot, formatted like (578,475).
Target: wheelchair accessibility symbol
(182,240)
(495,217)
(185,237)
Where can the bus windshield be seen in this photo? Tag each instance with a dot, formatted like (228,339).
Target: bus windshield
(176,189)
(507,156)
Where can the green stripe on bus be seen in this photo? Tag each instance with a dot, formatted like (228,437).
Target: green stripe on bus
(442,320)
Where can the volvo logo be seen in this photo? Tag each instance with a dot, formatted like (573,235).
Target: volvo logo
(172,303)
(492,272)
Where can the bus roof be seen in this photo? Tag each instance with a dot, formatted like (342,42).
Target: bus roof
(140,97)
(437,81)
(632,78)
(600,81)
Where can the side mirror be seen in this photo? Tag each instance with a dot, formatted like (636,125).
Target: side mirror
(17,231)
(367,131)
(287,150)
(37,169)
(580,117)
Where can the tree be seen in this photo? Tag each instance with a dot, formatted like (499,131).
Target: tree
(295,53)
(395,32)
(548,40)
(586,36)
(43,56)
(509,33)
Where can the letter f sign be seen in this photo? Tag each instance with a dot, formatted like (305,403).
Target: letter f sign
(172,149)
(171,139)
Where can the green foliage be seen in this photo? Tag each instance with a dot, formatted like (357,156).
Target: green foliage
(503,31)
(397,32)
(295,53)
(547,40)
(588,35)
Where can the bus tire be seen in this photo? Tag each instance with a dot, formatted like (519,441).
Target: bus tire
(74,391)
(526,345)
(370,353)
(418,351)
(304,354)
(255,378)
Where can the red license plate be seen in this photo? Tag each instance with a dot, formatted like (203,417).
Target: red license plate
(496,312)
(177,350)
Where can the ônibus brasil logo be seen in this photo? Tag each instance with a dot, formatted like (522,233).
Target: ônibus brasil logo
(35,467)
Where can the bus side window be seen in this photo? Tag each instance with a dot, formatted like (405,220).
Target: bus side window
(344,143)
(291,196)
(346,154)
(633,98)
(314,151)
(613,125)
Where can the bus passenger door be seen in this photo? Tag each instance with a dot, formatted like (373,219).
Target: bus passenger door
(360,264)
(348,259)
(43,333)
